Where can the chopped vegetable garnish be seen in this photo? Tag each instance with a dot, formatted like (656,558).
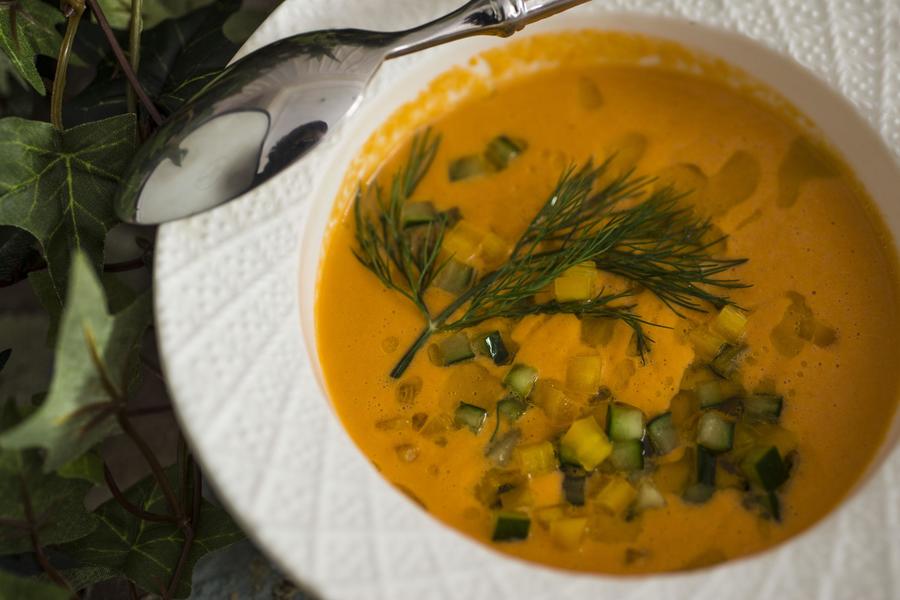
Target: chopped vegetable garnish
(577,284)
(520,380)
(707,344)
(715,392)
(627,456)
(538,458)
(765,468)
(648,497)
(624,422)
(726,361)
(468,415)
(663,434)
(616,496)
(715,432)
(467,167)
(502,150)
(586,443)
(511,408)
(418,213)
(492,345)
(762,407)
(451,350)
(510,526)
(698,493)
(517,498)
(583,373)
(568,533)
(574,479)
(730,323)
(706,467)
(455,277)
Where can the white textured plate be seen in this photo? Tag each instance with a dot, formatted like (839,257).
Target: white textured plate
(235,326)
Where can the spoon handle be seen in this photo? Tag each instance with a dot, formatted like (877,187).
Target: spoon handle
(479,17)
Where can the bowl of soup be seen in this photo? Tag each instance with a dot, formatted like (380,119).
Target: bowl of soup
(618,297)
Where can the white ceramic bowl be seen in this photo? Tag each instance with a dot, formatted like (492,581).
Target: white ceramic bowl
(234,302)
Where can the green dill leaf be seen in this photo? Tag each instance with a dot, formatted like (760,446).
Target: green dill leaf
(88,333)
(147,552)
(58,186)
(57,503)
(28,28)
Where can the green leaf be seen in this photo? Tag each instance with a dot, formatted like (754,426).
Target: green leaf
(241,25)
(178,57)
(82,577)
(28,28)
(147,552)
(85,327)
(24,588)
(57,503)
(87,467)
(18,254)
(58,186)
(118,12)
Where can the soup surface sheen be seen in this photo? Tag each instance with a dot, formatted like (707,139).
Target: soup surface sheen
(821,331)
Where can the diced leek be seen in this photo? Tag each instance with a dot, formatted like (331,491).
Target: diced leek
(455,277)
(554,403)
(468,415)
(663,434)
(418,213)
(730,323)
(577,284)
(714,392)
(707,344)
(583,373)
(463,242)
(624,422)
(706,467)
(762,407)
(511,408)
(597,331)
(493,346)
(510,525)
(725,363)
(765,468)
(627,456)
(548,514)
(585,442)
(467,167)
(520,380)
(452,349)
(715,432)
(568,533)
(648,497)
(616,496)
(537,458)
(502,150)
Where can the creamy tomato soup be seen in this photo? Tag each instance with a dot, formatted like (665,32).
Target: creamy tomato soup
(656,318)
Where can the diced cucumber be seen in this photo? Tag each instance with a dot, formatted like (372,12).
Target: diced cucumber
(511,408)
(471,416)
(418,213)
(726,361)
(502,150)
(706,467)
(574,478)
(520,380)
(648,497)
(715,392)
(663,433)
(698,493)
(763,407)
(715,432)
(452,350)
(510,526)
(771,506)
(467,167)
(455,277)
(492,345)
(624,422)
(627,456)
(765,468)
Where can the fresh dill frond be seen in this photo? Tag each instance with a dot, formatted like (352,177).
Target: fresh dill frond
(624,228)
(404,261)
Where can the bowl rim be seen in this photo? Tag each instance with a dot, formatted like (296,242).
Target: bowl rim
(328,160)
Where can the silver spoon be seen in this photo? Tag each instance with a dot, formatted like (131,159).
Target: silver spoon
(273,106)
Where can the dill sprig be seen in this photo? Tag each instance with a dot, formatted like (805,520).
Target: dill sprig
(402,262)
(624,228)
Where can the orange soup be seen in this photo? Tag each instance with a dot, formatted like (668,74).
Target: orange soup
(612,317)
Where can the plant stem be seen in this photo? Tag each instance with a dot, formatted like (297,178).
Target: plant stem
(161,480)
(39,553)
(134,49)
(127,504)
(57,95)
(189,529)
(123,62)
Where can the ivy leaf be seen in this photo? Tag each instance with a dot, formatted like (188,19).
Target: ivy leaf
(87,467)
(178,57)
(118,12)
(148,552)
(57,503)
(24,588)
(17,254)
(82,577)
(28,28)
(87,333)
(58,186)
